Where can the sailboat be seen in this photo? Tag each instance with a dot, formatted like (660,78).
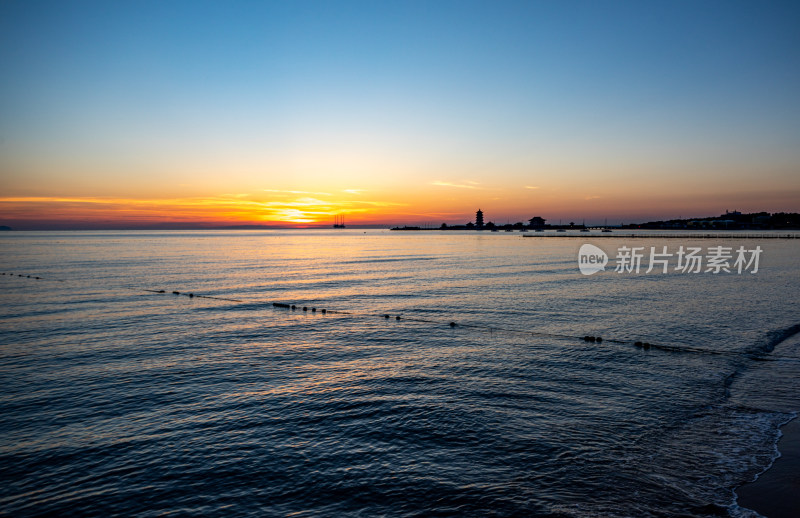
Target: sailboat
(338,221)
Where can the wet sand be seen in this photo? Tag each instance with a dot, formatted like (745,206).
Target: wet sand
(776,493)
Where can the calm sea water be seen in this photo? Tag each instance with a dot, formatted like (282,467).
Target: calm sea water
(121,401)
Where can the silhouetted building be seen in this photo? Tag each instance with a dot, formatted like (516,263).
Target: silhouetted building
(479,219)
(537,222)
(761,219)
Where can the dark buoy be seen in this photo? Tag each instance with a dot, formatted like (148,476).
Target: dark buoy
(588,338)
(191,294)
(294,307)
(599,339)
(397,317)
(313,310)
(305,308)
(385,316)
(176,292)
(646,345)
(637,344)
(452,324)
(161,291)
(324,311)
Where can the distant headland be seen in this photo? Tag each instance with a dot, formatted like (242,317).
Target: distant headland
(731,220)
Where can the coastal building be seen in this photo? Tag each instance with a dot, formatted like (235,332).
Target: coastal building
(761,220)
(536,222)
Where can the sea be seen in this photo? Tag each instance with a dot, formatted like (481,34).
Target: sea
(368,372)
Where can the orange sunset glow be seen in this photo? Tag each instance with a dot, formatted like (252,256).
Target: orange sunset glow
(220,210)
(438,202)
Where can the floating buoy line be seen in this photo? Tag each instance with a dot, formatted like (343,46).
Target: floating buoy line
(452,324)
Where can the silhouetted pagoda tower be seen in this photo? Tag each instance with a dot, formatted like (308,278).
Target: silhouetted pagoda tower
(479,219)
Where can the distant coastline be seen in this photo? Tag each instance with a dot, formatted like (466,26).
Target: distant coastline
(733,220)
(730,221)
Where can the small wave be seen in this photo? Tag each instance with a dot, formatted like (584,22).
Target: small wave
(389,260)
(234,305)
(774,338)
(741,512)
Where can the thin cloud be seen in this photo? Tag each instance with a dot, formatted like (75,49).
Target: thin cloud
(439,214)
(281,191)
(227,207)
(299,202)
(458,185)
(592,197)
(380,203)
(531,186)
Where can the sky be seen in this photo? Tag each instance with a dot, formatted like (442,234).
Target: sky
(138,114)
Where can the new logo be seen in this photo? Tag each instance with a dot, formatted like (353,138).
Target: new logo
(591,259)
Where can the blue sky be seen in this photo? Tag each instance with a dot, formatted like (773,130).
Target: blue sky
(195,98)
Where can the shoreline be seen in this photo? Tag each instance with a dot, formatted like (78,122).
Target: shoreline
(776,491)
(676,236)
(621,233)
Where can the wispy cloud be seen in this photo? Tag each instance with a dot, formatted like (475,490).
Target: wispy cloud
(299,202)
(592,197)
(281,191)
(531,186)
(227,207)
(468,185)
(438,214)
